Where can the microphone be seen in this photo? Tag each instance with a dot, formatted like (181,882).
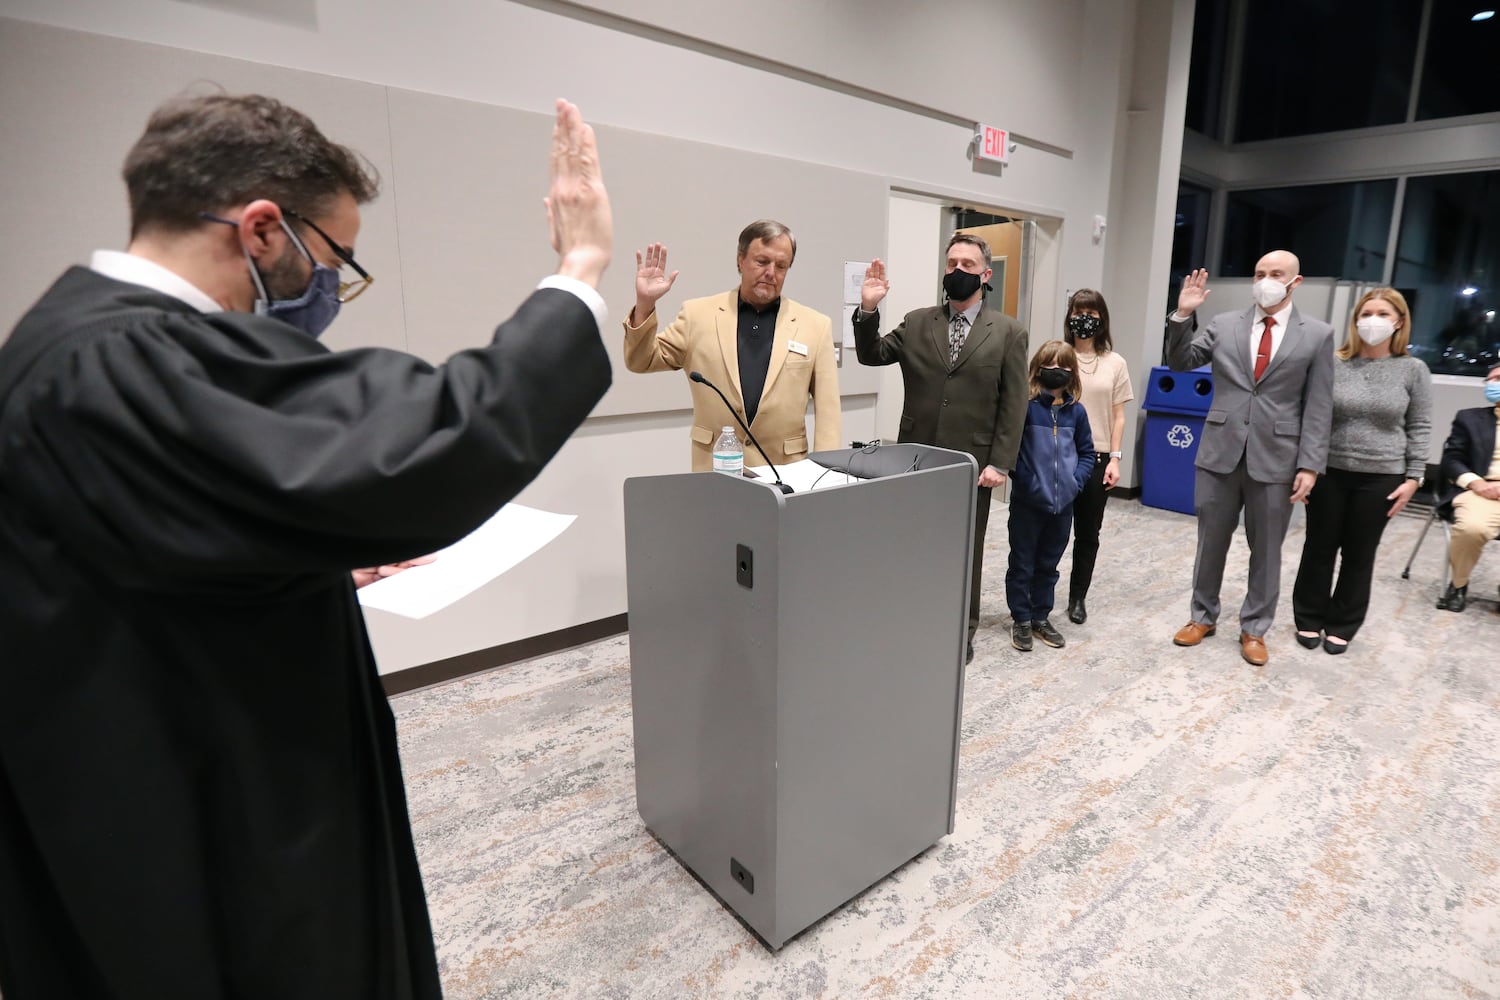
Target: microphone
(698,377)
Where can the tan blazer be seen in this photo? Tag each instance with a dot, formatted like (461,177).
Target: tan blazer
(703,338)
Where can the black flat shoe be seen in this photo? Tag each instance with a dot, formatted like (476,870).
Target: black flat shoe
(1454,598)
(1077,613)
(1309,641)
(1334,648)
(969,657)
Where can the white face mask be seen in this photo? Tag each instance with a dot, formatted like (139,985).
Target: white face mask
(1268,292)
(1375,329)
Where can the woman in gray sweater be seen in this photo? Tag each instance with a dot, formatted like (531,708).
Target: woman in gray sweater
(1377,454)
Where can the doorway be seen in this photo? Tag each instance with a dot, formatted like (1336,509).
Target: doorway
(1012,243)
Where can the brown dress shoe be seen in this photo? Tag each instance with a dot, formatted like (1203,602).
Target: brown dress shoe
(1193,633)
(1253,649)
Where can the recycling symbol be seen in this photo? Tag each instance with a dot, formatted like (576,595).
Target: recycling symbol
(1180,436)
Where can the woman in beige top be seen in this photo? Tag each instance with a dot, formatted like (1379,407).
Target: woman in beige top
(1106,390)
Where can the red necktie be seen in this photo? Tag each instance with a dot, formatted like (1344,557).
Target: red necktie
(1263,354)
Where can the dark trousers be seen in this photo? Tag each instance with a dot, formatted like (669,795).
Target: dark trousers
(1346,515)
(981,521)
(1088,516)
(1037,541)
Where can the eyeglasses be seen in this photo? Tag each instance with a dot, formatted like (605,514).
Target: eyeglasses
(348,290)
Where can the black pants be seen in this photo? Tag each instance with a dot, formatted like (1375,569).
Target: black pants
(1346,515)
(1037,540)
(981,521)
(1088,515)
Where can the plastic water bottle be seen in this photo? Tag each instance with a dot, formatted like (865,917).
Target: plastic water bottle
(729,454)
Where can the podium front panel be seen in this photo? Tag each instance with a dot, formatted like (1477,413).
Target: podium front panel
(873,623)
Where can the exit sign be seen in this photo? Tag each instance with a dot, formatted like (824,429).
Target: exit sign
(994,144)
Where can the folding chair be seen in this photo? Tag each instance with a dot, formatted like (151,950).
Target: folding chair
(1430,498)
(1441,513)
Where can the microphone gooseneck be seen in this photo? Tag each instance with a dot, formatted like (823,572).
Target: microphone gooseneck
(698,377)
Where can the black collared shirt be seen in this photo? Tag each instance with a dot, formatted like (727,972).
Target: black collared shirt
(757,332)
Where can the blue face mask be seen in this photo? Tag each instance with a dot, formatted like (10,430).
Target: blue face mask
(313,310)
(1492,391)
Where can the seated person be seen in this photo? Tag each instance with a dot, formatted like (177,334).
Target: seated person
(1471,461)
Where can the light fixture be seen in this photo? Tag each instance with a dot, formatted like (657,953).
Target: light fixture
(1483,15)
(1468,290)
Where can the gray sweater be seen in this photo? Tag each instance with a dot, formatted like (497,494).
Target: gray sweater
(1382,415)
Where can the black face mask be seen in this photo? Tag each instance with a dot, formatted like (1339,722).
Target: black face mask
(960,284)
(1084,325)
(1053,379)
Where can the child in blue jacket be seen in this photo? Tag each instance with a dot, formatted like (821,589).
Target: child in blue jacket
(1057,454)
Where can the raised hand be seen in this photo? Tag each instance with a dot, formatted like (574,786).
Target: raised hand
(1194,292)
(578,212)
(651,279)
(875,287)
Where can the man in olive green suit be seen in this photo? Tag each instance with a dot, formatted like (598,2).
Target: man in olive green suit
(964,367)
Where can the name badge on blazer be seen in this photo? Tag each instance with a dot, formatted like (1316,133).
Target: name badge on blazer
(797,347)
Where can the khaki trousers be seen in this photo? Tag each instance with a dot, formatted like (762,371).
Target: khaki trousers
(1475,521)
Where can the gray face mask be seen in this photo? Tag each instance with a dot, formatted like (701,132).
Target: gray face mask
(313,310)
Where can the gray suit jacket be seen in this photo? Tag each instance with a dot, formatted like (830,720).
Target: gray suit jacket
(979,405)
(1280,424)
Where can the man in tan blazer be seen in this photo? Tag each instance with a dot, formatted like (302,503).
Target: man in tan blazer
(766,353)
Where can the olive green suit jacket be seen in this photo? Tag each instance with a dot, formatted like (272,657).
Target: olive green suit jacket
(978,405)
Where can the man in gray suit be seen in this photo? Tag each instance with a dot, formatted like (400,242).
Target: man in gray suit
(1265,441)
(964,368)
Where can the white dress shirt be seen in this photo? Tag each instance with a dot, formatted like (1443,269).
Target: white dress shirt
(1278,333)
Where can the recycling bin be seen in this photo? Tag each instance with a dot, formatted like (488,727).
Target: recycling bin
(1176,405)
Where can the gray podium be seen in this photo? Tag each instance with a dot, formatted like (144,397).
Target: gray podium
(797,674)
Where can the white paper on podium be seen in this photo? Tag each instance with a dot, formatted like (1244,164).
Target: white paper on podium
(494,547)
(801,476)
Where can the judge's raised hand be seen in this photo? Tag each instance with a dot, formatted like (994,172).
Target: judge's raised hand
(1194,292)
(578,212)
(875,287)
(651,279)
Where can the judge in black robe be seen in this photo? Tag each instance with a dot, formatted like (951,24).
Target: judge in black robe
(200,794)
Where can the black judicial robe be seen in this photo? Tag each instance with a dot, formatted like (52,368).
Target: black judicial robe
(200,795)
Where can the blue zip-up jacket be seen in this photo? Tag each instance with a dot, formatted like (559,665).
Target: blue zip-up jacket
(1057,454)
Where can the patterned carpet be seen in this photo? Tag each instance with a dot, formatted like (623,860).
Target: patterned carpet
(1135,820)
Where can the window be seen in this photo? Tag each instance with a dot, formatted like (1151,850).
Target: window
(1310,66)
(1205,94)
(1448,264)
(1337,230)
(1458,74)
(1189,235)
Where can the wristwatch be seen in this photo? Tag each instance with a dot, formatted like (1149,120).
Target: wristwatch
(1114,454)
